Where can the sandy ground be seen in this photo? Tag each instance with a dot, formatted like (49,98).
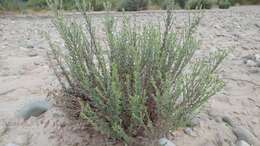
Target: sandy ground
(25,76)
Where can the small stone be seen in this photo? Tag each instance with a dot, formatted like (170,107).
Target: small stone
(30,46)
(257,25)
(251,63)
(249,57)
(11,144)
(32,54)
(244,134)
(36,63)
(242,143)
(228,121)
(166,142)
(218,119)
(255,70)
(35,109)
(3,128)
(195,122)
(258,64)
(257,57)
(189,132)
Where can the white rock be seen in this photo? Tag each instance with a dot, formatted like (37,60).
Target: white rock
(189,132)
(257,57)
(166,142)
(242,143)
(251,63)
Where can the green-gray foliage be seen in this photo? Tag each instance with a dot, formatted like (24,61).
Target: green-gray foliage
(224,4)
(12,5)
(196,4)
(143,82)
(133,5)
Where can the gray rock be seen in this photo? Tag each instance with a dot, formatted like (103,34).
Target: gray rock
(258,64)
(242,143)
(228,121)
(35,109)
(255,70)
(257,57)
(32,54)
(11,144)
(195,122)
(189,132)
(244,134)
(30,46)
(251,63)
(3,128)
(166,142)
(249,57)
(218,119)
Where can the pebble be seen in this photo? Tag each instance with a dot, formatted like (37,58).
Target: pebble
(257,57)
(251,63)
(218,119)
(249,57)
(255,70)
(35,109)
(195,122)
(242,143)
(189,132)
(32,54)
(244,134)
(166,142)
(30,46)
(3,128)
(228,121)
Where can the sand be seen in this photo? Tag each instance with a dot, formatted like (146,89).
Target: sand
(25,76)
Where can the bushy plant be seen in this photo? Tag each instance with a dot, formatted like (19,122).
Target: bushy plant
(12,5)
(224,4)
(42,4)
(164,4)
(133,5)
(143,82)
(199,4)
(37,4)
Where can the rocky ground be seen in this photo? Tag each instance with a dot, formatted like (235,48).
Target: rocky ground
(230,118)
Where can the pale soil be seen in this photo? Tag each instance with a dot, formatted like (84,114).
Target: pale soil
(25,76)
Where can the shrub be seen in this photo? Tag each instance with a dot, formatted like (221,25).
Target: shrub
(165,3)
(196,4)
(143,82)
(133,5)
(42,4)
(224,4)
(37,4)
(12,5)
